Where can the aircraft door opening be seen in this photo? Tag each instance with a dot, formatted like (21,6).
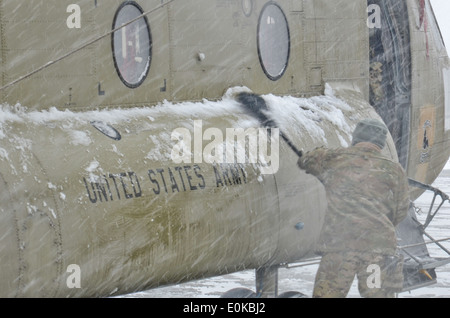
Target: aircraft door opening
(390,72)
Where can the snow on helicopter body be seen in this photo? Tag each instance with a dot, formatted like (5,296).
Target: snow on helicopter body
(99,193)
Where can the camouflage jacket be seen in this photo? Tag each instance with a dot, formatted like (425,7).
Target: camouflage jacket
(367,197)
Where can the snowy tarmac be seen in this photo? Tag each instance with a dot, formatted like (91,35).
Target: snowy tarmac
(301,279)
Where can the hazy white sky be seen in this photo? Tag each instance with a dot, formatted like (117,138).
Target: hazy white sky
(442,10)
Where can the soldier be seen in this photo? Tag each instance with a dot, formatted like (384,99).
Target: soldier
(367,197)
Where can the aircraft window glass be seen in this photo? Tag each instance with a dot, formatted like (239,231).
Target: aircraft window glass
(132,45)
(273,41)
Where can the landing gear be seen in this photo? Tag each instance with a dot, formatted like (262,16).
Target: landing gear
(419,267)
(292,294)
(266,286)
(267,282)
(239,293)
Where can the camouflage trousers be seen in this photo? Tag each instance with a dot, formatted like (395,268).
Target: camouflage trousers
(379,276)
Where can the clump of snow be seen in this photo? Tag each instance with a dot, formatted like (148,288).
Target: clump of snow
(329,90)
(93,166)
(3,154)
(312,115)
(92,169)
(80,138)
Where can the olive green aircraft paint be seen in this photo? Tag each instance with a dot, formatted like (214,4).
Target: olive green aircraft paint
(92,203)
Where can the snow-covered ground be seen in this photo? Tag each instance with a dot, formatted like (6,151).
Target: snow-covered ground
(302,278)
(438,229)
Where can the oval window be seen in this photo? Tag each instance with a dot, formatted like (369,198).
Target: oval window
(131,44)
(273,41)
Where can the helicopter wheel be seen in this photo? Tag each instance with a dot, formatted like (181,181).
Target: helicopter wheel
(292,294)
(239,293)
